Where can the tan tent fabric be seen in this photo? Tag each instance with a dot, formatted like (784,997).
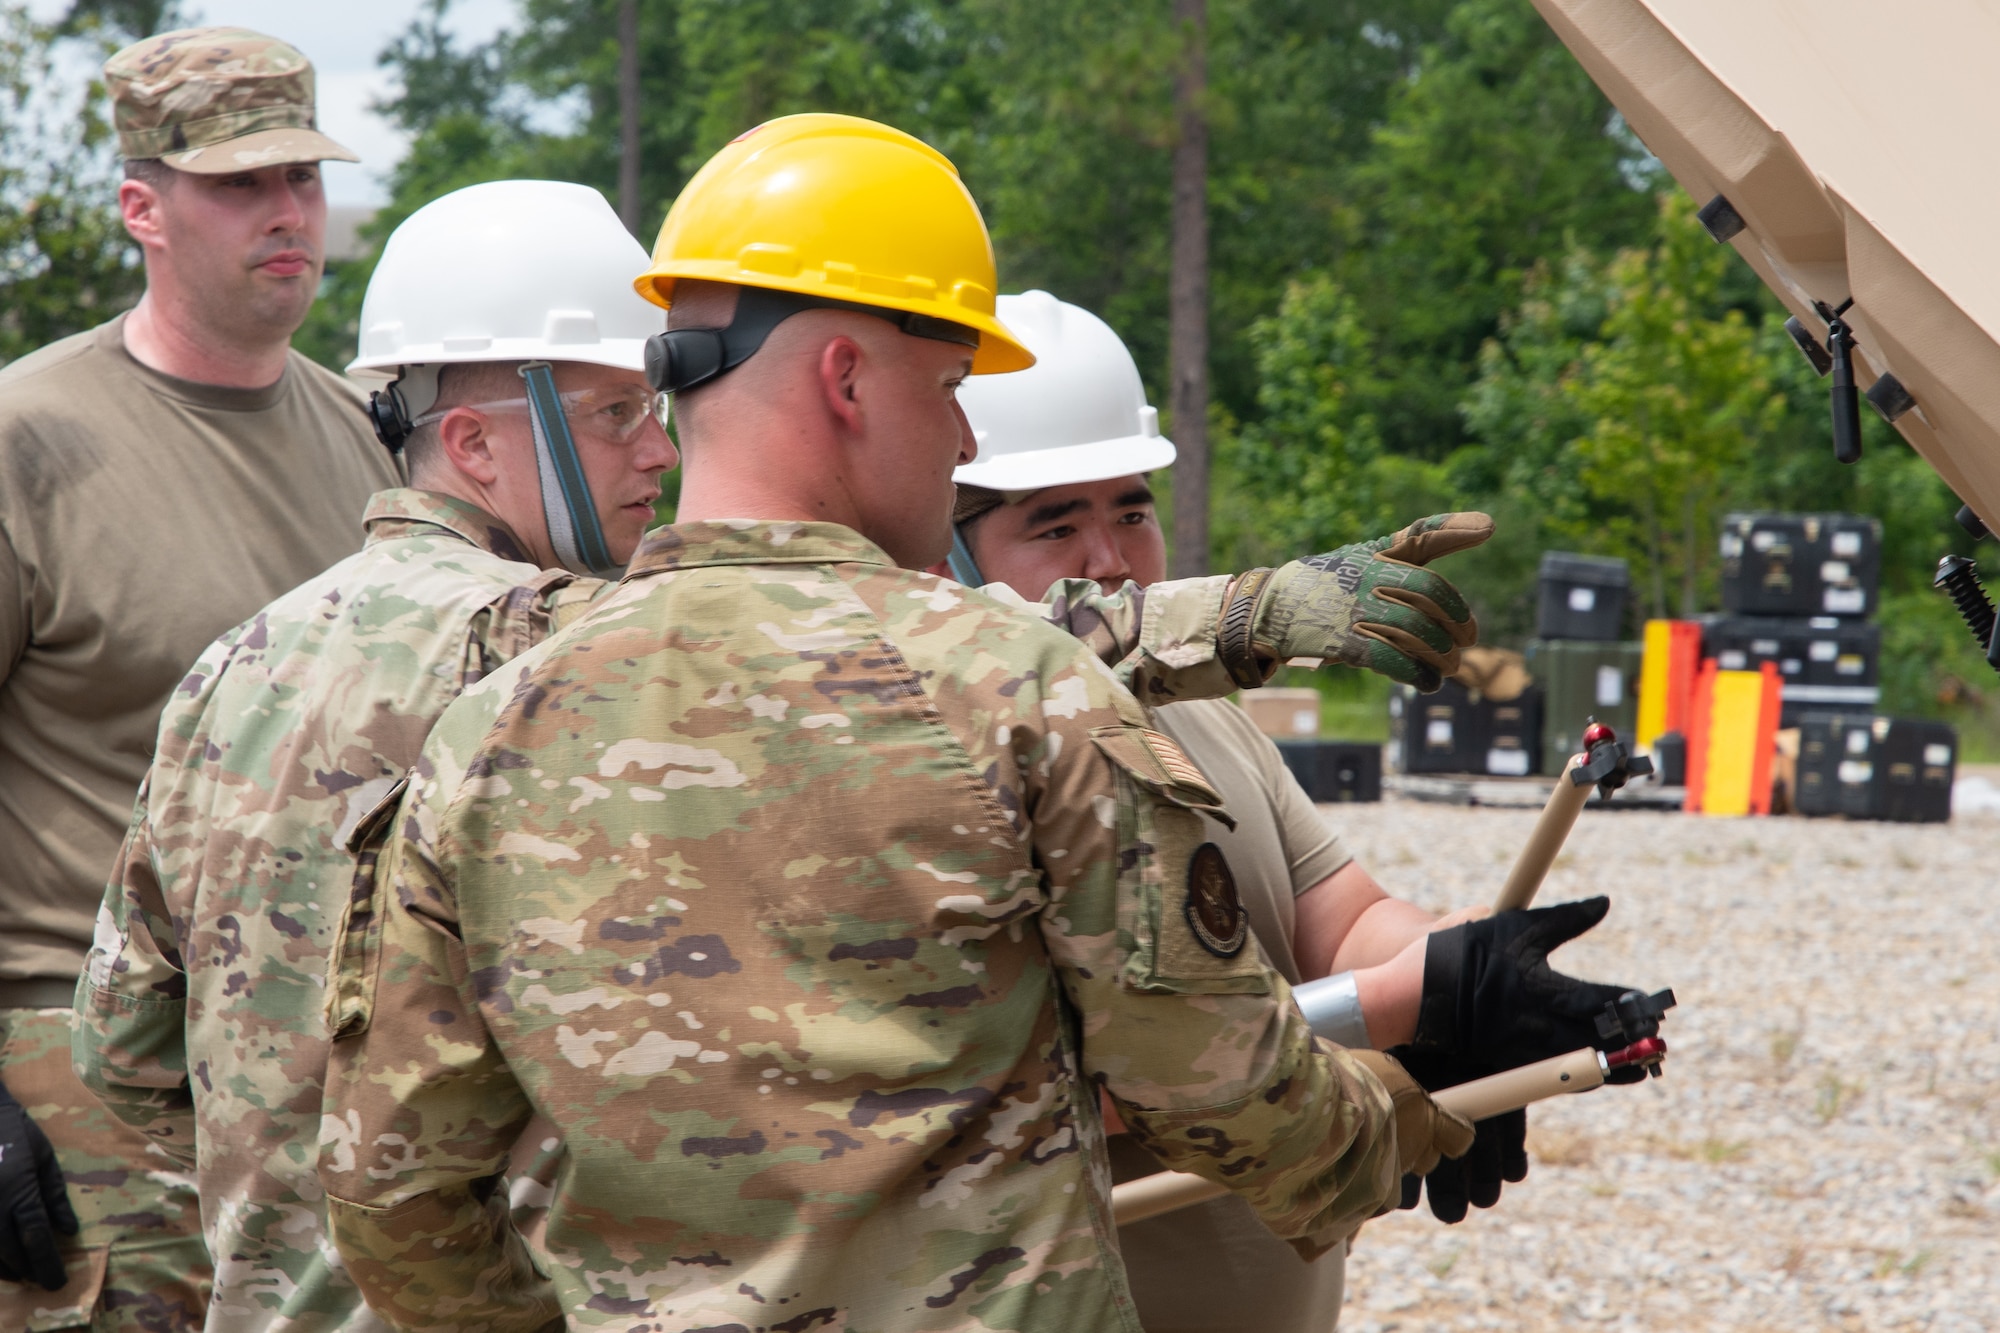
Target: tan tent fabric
(1497,673)
(1855,141)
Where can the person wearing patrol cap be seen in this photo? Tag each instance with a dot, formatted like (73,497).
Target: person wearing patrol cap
(162,476)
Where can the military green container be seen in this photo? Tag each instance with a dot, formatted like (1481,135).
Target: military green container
(1582,679)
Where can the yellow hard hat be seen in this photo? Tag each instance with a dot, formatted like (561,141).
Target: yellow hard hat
(838,207)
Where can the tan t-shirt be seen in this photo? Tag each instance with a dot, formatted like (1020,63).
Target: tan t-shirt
(1280,846)
(1215,1268)
(140,516)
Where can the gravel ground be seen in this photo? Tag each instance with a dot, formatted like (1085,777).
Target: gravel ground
(1823,1151)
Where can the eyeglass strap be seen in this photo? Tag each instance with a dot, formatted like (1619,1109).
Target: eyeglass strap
(566,501)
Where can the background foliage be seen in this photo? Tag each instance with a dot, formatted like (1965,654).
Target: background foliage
(1444,274)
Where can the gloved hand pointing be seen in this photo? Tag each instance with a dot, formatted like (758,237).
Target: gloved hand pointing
(34,1205)
(1370,604)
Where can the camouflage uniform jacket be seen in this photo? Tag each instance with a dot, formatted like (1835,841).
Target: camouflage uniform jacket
(215,929)
(805,897)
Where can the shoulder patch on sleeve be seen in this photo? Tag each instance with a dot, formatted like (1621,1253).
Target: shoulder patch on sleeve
(1214,911)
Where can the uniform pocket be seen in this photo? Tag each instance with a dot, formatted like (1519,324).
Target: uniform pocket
(1190,931)
(357,949)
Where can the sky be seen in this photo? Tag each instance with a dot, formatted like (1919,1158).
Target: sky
(342,40)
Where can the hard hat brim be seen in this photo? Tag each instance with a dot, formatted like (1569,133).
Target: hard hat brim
(1000,349)
(617,353)
(264,148)
(1098,460)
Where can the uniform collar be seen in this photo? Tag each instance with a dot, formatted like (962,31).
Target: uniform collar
(743,541)
(408,512)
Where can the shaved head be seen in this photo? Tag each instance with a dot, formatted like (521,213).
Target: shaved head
(839,417)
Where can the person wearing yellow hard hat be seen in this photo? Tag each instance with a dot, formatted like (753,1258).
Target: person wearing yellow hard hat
(802,899)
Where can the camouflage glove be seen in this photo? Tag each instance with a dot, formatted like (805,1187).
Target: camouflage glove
(1425,1131)
(1371,605)
(34,1206)
(1491,1001)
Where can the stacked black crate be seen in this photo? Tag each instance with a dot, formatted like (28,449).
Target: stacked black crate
(1579,659)
(1458,730)
(1869,767)
(1801,590)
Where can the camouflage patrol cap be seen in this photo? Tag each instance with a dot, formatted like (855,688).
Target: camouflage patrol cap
(216,100)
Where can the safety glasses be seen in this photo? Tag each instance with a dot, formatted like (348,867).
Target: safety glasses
(617,415)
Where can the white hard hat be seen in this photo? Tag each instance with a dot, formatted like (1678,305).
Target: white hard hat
(1078,414)
(505,271)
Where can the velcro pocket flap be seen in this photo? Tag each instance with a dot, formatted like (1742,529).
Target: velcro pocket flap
(1155,762)
(1190,931)
(350,981)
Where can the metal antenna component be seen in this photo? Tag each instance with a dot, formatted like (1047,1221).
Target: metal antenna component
(1845,397)
(1959,578)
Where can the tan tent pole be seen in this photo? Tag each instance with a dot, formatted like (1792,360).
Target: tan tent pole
(1566,802)
(1481,1099)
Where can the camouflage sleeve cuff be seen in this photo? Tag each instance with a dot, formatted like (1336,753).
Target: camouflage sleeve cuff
(1327,1160)
(1180,651)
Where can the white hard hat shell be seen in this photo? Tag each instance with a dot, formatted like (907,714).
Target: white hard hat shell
(507,271)
(1078,414)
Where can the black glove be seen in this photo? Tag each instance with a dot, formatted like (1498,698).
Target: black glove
(1499,1154)
(33,1203)
(1491,1001)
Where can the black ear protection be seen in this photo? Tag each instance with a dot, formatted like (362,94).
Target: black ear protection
(683,358)
(391,417)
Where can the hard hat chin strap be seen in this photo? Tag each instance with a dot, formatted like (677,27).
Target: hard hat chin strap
(683,358)
(567,506)
(963,567)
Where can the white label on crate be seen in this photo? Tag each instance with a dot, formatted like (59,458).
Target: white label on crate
(1731,659)
(1764,647)
(1880,727)
(1790,666)
(1305,722)
(1763,540)
(1824,622)
(1732,545)
(1937,755)
(1850,664)
(1824,650)
(1437,733)
(1857,742)
(1847,544)
(1507,763)
(1846,601)
(1855,772)
(1610,687)
(1834,571)
(1583,599)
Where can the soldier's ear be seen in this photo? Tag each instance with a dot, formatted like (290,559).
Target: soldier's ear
(465,441)
(139,207)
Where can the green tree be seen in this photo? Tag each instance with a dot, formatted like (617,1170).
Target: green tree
(1498,155)
(65,261)
(1674,392)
